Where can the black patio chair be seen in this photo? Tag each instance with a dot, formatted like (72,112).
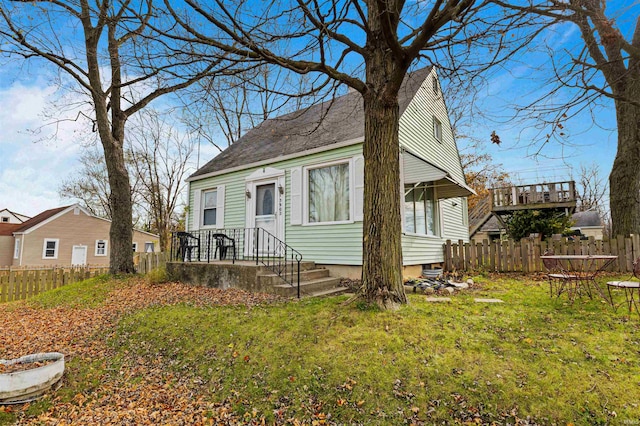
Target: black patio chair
(187,244)
(224,243)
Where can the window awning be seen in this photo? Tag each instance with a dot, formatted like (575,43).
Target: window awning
(417,170)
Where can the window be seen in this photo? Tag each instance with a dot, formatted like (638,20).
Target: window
(437,129)
(419,210)
(5,219)
(16,249)
(50,248)
(135,247)
(209,207)
(328,194)
(434,81)
(149,247)
(101,247)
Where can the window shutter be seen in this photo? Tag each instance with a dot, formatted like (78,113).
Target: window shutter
(220,207)
(197,211)
(296,196)
(358,165)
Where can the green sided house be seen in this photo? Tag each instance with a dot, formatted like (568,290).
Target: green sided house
(299,178)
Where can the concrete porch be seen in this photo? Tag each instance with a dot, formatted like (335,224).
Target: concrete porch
(246,275)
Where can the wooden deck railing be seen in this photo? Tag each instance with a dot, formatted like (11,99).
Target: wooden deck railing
(524,255)
(561,194)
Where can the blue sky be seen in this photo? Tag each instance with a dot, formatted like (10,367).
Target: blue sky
(33,166)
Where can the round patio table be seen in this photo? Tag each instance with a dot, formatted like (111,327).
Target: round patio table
(580,272)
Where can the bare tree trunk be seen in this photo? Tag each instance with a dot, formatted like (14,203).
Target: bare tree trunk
(624,180)
(382,248)
(121,231)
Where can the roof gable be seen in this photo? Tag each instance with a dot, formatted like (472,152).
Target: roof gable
(19,217)
(331,122)
(41,218)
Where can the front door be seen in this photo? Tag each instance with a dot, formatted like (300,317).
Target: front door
(265,208)
(79,255)
(265,214)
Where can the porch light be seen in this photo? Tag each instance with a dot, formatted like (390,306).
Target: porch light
(281,189)
(248,193)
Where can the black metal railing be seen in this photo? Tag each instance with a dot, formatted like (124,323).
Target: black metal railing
(248,244)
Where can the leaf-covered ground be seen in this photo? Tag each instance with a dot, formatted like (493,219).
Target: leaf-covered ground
(135,394)
(139,353)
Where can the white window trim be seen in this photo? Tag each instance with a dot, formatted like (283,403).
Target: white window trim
(5,219)
(437,122)
(106,245)
(305,192)
(201,212)
(135,247)
(55,251)
(198,210)
(16,249)
(149,242)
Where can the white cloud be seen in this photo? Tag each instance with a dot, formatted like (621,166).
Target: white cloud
(32,166)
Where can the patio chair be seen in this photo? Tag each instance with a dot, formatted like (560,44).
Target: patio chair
(224,243)
(187,244)
(559,279)
(631,289)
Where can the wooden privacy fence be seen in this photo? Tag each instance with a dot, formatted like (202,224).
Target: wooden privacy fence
(524,255)
(17,284)
(146,262)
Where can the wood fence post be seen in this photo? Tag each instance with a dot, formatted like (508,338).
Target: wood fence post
(492,256)
(447,256)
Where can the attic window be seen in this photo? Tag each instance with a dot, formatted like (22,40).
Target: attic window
(434,81)
(437,129)
(5,219)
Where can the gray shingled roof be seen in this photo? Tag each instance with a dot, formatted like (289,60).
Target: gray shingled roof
(586,218)
(334,121)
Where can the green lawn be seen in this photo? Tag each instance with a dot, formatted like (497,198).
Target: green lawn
(531,358)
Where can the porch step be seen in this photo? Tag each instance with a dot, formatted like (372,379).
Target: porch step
(305,275)
(319,286)
(304,266)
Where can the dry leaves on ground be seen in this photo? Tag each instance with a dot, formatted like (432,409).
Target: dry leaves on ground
(155,396)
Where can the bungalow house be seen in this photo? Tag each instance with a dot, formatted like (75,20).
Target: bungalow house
(300,177)
(67,235)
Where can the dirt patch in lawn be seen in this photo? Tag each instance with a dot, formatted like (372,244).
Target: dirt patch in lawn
(96,390)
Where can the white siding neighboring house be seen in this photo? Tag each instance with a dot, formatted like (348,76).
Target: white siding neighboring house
(63,236)
(7,216)
(301,177)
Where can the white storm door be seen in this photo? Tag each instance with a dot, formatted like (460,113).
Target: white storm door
(79,255)
(265,208)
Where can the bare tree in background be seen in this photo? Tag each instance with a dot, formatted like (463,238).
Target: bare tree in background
(161,157)
(368,46)
(219,109)
(606,65)
(157,157)
(90,185)
(116,54)
(481,172)
(592,193)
